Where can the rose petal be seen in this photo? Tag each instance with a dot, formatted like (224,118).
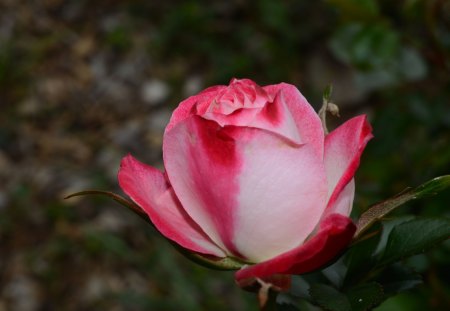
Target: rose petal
(335,233)
(202,166)
(148,188)
(251,192)
(344,201)
(187,106)
(343,149)
(274,117)
(282,192)
(307,121)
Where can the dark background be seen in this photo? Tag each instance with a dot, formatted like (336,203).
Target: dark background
(82,83)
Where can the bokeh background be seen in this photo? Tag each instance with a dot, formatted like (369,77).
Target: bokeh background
(82,83)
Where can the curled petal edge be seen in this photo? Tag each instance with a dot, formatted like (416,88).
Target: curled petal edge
(334,235)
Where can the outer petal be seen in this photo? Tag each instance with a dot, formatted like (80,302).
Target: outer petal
(148,188)
(306,119)
(281,197)
(344,201)
(335,233)
(202,166)
(251,192)
(343,149)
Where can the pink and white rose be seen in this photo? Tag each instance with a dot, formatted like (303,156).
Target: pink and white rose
(251,175)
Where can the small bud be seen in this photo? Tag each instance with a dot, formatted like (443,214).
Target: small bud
(333,109)
(327,106)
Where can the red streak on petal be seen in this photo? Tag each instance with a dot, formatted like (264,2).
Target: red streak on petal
(219,147)
(215,175)
(272,112)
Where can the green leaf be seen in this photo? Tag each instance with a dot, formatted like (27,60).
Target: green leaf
(286,307)
(378,211)
(414,237)
(397,278)
(360,258)
(388,225)
(329,298)
(366,296)
(300,287)
(336,273)
(327,93)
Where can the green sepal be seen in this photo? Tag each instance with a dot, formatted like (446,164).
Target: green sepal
(118,198)
(211,262)
(378,211)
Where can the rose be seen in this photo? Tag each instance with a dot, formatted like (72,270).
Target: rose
(250,175)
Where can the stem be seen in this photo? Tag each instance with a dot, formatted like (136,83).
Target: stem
(270,301)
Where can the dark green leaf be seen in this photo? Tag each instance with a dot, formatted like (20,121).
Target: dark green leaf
(414,237)
(387,226)
(398,278)
(365,297)
(381,209)
(300,287)
(336,273)
(286,307)
(329,298)
(360,258)
(301,305)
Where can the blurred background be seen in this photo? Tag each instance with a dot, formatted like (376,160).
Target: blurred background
(82,83)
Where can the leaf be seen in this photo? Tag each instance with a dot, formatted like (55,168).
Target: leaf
(336,273)
(387,226)
(360,258)
(366,296)
(300,287)
(397,278)
(119,199)
(327,93)
(329,298)
(286,307)
(381,209)
(414,237)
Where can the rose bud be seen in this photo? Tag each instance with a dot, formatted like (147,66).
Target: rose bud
(250,176)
